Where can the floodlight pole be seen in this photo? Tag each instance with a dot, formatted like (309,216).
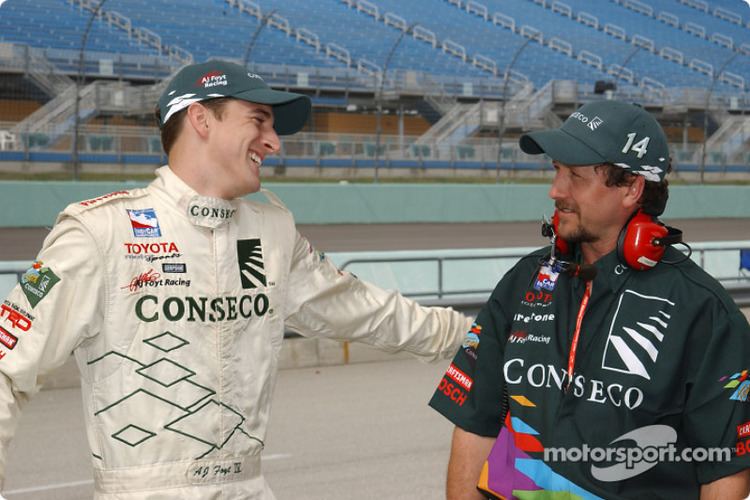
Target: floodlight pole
(77,105)
(379,97)
(501,123)
(250,46)
(705,112)
(627,59)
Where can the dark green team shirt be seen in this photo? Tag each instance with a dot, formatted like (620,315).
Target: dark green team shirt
(662,362)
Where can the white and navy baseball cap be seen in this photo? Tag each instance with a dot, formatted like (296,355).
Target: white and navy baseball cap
(216,78)
(616,132)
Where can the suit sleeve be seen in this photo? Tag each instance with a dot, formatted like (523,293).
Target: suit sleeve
(470,394)
(57,304)
(323,301)
(717,412)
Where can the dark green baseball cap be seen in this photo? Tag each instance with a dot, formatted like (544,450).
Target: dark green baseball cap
(215,78)
(614,132)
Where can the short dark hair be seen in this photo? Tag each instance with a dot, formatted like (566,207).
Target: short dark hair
(171,130)
(655,194)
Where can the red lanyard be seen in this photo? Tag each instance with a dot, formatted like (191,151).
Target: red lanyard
(577,334)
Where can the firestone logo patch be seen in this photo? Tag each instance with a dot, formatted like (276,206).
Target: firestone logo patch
(533,318)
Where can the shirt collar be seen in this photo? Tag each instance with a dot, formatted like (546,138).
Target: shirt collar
(204,211)
(610,272)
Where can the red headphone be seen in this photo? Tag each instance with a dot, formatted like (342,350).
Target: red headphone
(643,241)
(640,245)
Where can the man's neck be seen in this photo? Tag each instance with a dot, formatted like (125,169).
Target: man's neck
(593,251)
(195,174)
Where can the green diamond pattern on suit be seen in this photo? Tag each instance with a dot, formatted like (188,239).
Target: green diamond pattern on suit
(166,342)
(165,372)
(133,435)
(190,425)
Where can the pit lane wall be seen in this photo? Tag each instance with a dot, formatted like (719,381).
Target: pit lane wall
(462,278)
(36,204)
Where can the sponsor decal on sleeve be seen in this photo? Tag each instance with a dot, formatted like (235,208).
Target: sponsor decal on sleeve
(144,223)
(471,343)
(743,439)
(37,282)
(743,430)
(739,385)
(459,377)
(7,339)
(17,317)
(453,392)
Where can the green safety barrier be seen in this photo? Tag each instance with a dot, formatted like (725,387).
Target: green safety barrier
(34,204)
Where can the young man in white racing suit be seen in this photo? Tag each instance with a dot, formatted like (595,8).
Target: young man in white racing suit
(174,299)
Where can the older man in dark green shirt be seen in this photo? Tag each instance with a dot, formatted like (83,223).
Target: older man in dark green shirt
(609,365)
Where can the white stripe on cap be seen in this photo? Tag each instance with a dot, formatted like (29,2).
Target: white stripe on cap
(183,101)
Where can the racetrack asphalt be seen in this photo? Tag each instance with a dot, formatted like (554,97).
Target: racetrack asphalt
(24,243)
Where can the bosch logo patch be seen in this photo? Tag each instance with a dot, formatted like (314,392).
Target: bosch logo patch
(455,394)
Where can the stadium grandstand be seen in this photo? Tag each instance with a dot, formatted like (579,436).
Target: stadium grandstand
(426,85)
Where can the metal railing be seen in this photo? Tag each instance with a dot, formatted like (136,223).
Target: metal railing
(142,145)
(737,284)
(711,256)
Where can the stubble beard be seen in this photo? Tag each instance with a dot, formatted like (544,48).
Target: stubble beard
(581,235)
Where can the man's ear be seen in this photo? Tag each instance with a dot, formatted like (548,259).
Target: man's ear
(198,118)
(632,197)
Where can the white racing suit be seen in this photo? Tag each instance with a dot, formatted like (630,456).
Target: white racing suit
(175,306)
